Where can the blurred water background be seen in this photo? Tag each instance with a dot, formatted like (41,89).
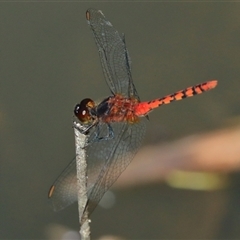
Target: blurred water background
(49,62)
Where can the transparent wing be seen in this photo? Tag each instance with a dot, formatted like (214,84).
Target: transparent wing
(113,54)
(107,159)
(63,192)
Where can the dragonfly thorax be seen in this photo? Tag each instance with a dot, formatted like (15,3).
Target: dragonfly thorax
(118,108)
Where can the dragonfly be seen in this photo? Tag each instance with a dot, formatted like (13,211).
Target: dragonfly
(115,126)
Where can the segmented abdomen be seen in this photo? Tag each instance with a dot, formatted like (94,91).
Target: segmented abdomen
(144,108)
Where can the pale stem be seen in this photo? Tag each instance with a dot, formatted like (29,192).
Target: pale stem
(80,140)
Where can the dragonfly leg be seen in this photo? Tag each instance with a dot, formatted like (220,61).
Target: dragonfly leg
(82,128)
(97,136)
(110,132)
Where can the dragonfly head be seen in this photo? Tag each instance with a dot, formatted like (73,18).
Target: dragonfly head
(83,109)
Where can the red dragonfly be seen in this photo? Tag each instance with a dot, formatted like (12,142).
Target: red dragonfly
(116,126)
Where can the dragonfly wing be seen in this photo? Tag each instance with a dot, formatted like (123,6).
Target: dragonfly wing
(63,192)
(113,53)
(107,159)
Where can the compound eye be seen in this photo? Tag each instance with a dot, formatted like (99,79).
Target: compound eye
(81,110)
